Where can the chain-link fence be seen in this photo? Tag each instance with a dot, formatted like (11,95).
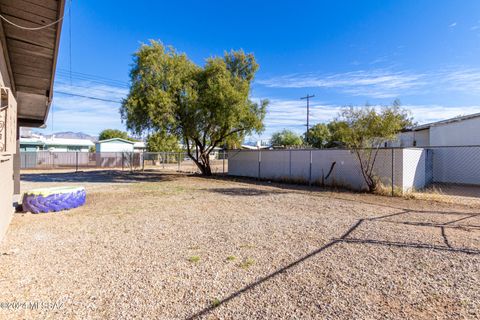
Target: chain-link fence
(181,162)
(434,171)
(453,170)
(174,161)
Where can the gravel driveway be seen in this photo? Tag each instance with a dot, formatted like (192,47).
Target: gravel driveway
(170,246)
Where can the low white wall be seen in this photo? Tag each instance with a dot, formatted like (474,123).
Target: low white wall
(243,163)
(414,166)
(314,166)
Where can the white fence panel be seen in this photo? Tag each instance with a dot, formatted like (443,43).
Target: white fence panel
(275,164)
(243,163)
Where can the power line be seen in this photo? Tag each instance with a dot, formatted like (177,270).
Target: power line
(97,82)
(91,88)
(308,113)
(85,76)
(87,97)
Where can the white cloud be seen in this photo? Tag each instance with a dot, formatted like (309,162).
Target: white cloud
(380,83)
(291,114)
(453,24)
(73,113)
(371,83)
(466,80)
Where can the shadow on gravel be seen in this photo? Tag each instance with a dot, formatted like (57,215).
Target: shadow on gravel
(332,193)
(100,176)
(347,239)
(243,191)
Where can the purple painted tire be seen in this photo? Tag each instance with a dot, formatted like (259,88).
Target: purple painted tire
(53,199)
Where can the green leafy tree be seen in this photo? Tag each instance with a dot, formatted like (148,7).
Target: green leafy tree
(113,133)
(336,129)
(365,130)
(204,107)
(161,141)
(318,136)
(286,138)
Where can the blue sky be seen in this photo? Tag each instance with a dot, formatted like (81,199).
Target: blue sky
(426,53)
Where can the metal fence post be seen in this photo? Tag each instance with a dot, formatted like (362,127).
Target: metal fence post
(259,163)
(123,161)
(310,170)
(76,161)
(223,162)
(132,163)
(143,161)
(393,188)
(290,164)
(179,162)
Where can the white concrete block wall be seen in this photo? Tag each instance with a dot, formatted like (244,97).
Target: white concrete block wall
(275,164)
(346,171)
(414,166)
(243,163)
(294,165)
(300,165)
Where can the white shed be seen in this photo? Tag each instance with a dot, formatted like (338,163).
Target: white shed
(114,145)
(458,131)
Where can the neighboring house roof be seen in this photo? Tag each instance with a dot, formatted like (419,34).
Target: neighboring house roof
(57,142)
(116,139)
(31,55)
(139,145)
(248,147)
(69,142)
(447,121)
(32,141)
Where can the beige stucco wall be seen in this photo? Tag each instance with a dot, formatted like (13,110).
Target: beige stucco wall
(6,166)
(6,192)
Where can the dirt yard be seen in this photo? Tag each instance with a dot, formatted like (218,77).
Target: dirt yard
(171,246)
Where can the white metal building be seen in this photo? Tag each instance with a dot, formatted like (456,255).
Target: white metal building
(458,131)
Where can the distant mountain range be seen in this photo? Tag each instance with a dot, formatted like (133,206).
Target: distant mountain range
(73,135)
(69,135)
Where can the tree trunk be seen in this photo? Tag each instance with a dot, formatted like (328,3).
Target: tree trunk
(202,162)
(204,168)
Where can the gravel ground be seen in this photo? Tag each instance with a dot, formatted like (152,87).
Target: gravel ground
(170,246)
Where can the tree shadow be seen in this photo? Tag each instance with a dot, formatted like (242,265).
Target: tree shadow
(452,224)
(241,192)
(326,192)
(99,176)
(346,239)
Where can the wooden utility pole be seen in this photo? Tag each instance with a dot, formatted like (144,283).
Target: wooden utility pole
(308,113)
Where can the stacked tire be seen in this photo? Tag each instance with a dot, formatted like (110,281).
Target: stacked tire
(53,199)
